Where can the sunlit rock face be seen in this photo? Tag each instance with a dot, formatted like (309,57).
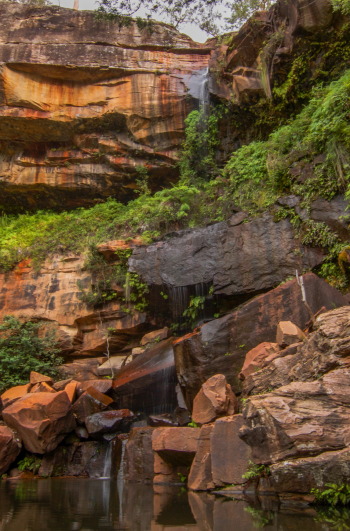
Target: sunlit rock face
(83,102)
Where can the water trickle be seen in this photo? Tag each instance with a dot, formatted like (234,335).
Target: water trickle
(204,95)
(106,474)
(120,476)
(120,480)
(127,288)
(178,298)
(107,353)
(198,84)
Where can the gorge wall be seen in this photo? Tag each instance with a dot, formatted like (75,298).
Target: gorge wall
(86,106)
(84,102)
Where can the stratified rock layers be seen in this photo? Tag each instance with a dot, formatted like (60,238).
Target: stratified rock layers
(84,101)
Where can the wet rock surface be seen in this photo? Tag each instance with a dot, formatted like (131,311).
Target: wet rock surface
(220,346)
(90,402)
(108,422)
(148,382)
(77,459)
(139,455)
(234,259)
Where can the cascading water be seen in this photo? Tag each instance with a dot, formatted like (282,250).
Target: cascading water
(107,353)
(198,84)
(179,299)
(107,469)
(204,95)
(120,480)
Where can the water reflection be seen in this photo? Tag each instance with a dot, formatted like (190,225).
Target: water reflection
(86,505)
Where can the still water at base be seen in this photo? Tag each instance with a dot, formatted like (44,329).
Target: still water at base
(85,504)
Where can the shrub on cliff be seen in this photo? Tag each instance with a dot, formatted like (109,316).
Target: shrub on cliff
(25,347)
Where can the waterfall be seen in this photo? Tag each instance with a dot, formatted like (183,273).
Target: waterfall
(163,394)
(198,85)
(107,468)
(178,299)
(127,288)
(120,476)
(204,95)
(120,480)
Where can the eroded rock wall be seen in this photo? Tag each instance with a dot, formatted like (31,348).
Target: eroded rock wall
(53,295)
(84,101)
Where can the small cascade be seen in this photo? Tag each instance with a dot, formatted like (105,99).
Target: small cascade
(147,384)
(163,394)
(127,288)
(120,476)
(204,96)
(106,474)
(120,480)
(178,298)
(198,84)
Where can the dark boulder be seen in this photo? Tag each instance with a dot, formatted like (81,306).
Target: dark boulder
(220,346)
(90,402)
(235,258)
(109,422)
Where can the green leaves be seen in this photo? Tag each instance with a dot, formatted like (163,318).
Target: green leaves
(333,494)
(195,306)
(255,471)
(198,154)
(25,347)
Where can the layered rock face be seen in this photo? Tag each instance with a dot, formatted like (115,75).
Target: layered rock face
(85,101)
(298,418)
(53,295)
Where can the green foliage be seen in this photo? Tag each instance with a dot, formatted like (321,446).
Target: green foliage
(195,306)
(255,471)
(182,477)
(242,10)
(142,180)
(105,277)
(247,175)
(337,518)
(308,157)
(193,424)
(25,347)
(341,5)
(318,234)
(198,154)
(332,495)
(333,275)
(136,292)
(31,463)
(260,517)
